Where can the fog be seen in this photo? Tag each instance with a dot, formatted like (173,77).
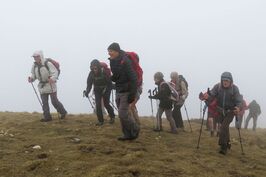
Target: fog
(198,39)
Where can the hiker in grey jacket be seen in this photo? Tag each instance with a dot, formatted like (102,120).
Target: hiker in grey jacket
(254,112)
(47,74)
(228,104)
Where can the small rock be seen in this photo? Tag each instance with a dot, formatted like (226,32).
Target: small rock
(37,147)
(75,140)
(11,135)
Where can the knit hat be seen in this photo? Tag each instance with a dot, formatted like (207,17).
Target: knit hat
(114,46)
(174,75)
(158,76)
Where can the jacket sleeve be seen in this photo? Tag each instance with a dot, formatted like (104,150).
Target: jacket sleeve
(132,77)
(214,91)
(53,73)
(238,100)
(33,73)
(259,110)
(89,82)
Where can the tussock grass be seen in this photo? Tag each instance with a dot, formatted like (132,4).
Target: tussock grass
(75,147)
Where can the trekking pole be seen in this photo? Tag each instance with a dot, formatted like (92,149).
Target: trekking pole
(88,99)
(112,97)
(200,108)
(152,113)
(188,117)
(204,111)
(36,94)
(240,139)
(112,104)
(151,103)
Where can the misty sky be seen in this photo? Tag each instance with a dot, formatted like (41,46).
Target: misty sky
(197,38)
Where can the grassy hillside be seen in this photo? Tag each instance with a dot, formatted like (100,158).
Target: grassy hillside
(76,148)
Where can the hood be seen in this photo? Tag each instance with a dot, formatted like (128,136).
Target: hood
(95,63)
(227,76)
(39,53)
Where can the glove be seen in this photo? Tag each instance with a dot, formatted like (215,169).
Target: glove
(236,110)
(30,80)
(131,98)
(86,93)
(150,97)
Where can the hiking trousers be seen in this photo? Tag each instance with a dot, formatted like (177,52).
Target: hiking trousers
(224,135)
(103,94)
(129,126)
(255,118)
(55,102)
(177,116)
(168,113)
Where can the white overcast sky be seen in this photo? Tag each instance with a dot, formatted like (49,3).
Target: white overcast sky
(198,38)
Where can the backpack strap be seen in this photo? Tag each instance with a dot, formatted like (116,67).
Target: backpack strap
(46,65)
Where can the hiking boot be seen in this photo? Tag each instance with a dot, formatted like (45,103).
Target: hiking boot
(157,130)
(229,145)
(212,134)
(63,116)
(223,149)
(123,138)
(112,120)
(174,132)
(46,120)
(99,124)
(218,134)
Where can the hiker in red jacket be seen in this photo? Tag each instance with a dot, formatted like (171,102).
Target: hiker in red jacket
(212,121)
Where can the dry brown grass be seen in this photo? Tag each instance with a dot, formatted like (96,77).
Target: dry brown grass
(99,154)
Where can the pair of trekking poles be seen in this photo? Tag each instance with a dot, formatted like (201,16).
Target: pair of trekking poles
(92,102)
(152,93)
(202,122)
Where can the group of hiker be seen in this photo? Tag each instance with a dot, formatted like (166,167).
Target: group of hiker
(125,76)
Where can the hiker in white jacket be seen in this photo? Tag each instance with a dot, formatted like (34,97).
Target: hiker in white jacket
(47,74)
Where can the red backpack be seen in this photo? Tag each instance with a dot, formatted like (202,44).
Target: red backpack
(55,63)
(106,69)
(135,63)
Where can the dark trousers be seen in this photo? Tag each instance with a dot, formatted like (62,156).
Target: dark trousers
(105,95)
(255,118)
(177,116)
(129,125)
(55,102)
(224,136)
